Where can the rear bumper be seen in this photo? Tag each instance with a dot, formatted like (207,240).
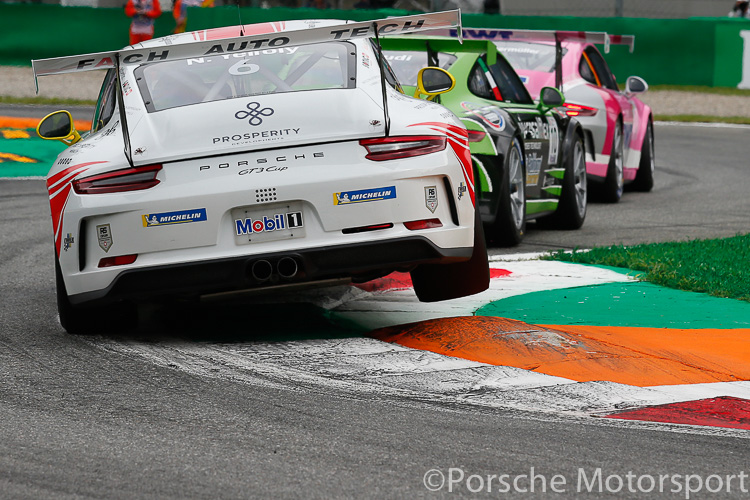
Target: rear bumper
(361,261)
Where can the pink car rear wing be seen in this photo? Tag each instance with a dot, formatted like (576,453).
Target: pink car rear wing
(598,37)
(557,37)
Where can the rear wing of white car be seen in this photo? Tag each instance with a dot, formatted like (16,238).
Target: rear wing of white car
(173,47)
(490,34)
(220,41)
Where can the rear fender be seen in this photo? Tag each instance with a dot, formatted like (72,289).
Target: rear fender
(574,131)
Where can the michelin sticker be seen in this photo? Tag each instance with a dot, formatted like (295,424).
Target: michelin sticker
(364,195)
(171,218)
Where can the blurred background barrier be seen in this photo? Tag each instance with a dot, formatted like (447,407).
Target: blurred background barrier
(695,51)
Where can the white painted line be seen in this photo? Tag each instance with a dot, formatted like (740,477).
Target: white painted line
(704,124)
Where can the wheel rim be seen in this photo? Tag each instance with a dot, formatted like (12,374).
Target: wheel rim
(579,175)
(517,194)
(618,147)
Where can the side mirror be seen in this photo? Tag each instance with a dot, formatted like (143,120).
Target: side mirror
(550,97)
(433,81)
(58,126)
(635,85)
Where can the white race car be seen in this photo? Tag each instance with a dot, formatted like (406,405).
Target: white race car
(257,157)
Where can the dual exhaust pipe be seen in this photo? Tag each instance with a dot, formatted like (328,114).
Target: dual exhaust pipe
(262,270)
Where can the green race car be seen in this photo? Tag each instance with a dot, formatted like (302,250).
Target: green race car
(528,158)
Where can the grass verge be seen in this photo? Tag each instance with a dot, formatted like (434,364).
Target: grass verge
(718,267)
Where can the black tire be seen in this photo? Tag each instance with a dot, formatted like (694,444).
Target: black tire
(644,178)
(436,282)
(509,227)
(571,210)
(91,320)
(611,190)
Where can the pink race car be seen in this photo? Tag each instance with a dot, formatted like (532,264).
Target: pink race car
(618,126)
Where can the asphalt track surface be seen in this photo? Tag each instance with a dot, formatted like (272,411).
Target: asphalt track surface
(165,412)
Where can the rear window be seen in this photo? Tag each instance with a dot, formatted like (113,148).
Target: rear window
(184,82)
(529,56)
(406,64)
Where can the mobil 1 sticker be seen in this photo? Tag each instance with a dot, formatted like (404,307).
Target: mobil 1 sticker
(274,222)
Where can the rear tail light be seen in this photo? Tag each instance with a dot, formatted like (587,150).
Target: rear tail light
(392,148)
(579,110)
(120,260)
(416,225)
(476,135)
(128,179)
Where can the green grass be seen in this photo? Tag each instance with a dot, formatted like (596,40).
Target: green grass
(53,101)
(741,120)
(718,267)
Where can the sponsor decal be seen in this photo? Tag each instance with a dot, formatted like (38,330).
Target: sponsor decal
(260,170)
(254,112)
(171,218)
(242,55)
(364,195)
(265,135)
(461,190)
(431,198)
(68,241)
(394,57)
(290,157)
(365,60)
(554,140)
(104,235)
(539,129)
(139,151)
(486,34)
(276,222)
(490,115)
(533,167)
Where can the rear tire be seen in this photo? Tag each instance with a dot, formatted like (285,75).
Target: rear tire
(644,178)
(571,211)
(436,282)
(91,320)
(611,190)
(509,227)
